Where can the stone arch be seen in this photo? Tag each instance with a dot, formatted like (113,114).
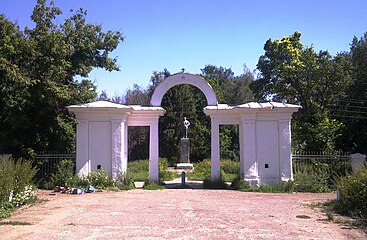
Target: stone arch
(183,78)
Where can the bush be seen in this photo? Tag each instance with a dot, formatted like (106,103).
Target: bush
(281,187)
(312,178)
(100,179)
(219,184)
(353,194)
(125,182)
(230,167)
(65,175)
(240,184)
(164,174)
(16,185)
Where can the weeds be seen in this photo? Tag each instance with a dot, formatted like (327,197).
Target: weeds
(15,223)
(139,170)
(153,186)
(311,178)
(353,194)
(16,185)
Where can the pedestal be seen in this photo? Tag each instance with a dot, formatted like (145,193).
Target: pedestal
(185,155)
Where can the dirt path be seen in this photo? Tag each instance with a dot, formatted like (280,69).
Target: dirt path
(176,214)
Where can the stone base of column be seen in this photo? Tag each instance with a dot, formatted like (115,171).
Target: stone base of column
(187,166)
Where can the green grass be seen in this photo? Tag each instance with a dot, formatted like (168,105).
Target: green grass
(15,223)
(139,170)
(153,186)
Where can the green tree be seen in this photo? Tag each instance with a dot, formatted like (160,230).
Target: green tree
(352,110)
(188,101)
(38,72)
(137,96)
(294,73)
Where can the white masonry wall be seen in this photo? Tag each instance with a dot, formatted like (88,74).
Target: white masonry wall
(101,143)
(102,136)
(265,140)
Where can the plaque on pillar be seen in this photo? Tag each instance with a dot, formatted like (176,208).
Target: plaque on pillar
(185,149)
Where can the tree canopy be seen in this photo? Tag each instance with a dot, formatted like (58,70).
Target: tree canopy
(188,101)
(293,73)
(45,68)
(352,109)
(39,68)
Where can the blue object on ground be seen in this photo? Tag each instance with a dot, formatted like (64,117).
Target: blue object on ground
(78,191)
(91,189)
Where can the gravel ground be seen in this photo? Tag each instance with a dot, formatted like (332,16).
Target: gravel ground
(176,214)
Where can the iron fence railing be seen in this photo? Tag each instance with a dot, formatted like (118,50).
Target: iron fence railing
(47,163)
(331,164)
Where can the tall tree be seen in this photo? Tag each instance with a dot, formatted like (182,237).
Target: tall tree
(294,73)
(188,101)
(352,110)
(37,71)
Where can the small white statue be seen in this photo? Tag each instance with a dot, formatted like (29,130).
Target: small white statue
(186,124)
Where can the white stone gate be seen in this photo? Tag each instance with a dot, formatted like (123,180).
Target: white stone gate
(265,133)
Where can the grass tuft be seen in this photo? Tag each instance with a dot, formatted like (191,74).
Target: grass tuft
(15,223)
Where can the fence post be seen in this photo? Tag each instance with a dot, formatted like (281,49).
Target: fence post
(357,161)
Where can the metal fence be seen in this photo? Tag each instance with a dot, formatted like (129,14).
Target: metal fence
(331,164)
(47,163)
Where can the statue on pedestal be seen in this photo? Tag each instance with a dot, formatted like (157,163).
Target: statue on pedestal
(185,149)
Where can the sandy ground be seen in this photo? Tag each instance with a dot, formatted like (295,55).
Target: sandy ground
(176,214)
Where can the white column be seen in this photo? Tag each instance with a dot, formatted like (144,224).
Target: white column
(241,134)
(119,160)
(248,148)
(215,150)
(285,154)
(83,167)
(153,152)
(126,155)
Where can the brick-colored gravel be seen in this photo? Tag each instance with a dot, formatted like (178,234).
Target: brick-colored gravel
(176,214)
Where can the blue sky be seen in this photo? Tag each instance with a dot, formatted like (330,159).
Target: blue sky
(190,34)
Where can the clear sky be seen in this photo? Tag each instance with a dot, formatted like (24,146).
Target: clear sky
(190,34)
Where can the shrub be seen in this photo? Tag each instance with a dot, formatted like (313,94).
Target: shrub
(125,182)
(164,174)
(16,185)
(65,175)
(281,187)
(230,167)
(100,179)
(240,184)
(219,184)
(312,178)
(353,194)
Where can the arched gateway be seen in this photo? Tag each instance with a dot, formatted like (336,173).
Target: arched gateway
(265,134)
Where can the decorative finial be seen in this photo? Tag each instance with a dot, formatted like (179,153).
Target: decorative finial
(183,70)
